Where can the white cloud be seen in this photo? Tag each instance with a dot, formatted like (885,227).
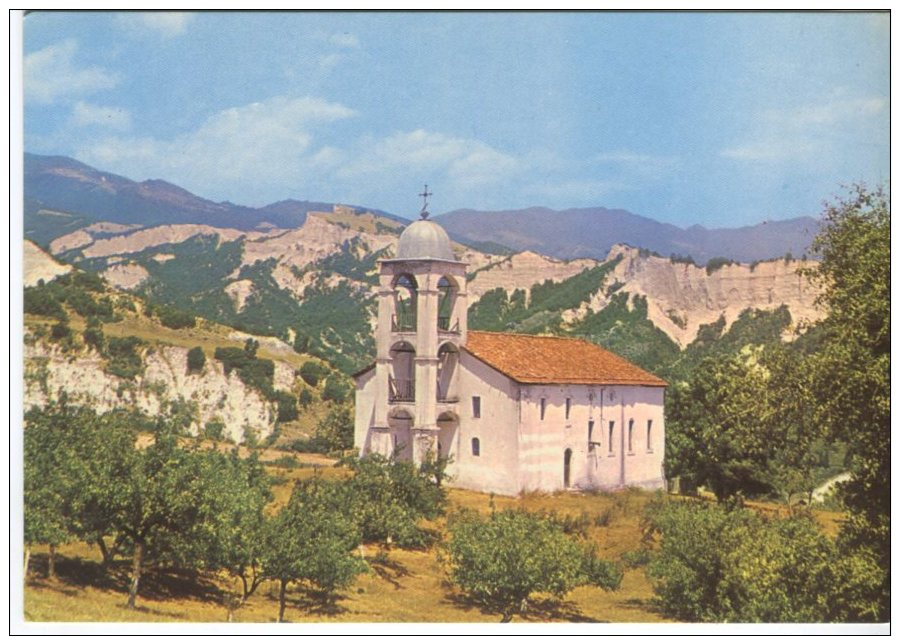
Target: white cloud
(51,73)
(239,153)
(84,114)
(168,24)
(807,131)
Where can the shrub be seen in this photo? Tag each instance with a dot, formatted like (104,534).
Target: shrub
(196,360)
(721,565)
(175,318)
(504,559)
(214,429)
(287,406)
(312,372)
(335,389)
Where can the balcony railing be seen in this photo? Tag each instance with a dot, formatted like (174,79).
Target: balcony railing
(401,390)
(403,322)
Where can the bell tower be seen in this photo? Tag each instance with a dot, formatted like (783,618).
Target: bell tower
(421,327)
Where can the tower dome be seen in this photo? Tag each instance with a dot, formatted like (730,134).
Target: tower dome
(425,239)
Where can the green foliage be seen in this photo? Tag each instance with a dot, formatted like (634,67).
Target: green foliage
(335,431)
(717,262)
(287,406)
(61,330)
(542,312)
(336,389)
(214,429)
(850,374)
(628,332)
(306,398)
(312,539)
(504,559)
(93,334)
(389,497)
(678,258)
(312,372)
(254,372)
(41,301)
(124,357)
(196,360)
(173,317)
(721,565)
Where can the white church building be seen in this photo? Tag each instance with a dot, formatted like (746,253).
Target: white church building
(514,412)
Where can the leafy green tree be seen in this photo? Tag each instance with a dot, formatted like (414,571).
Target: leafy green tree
(734,565)
(335,390)
(335,430)
(312,539)
(196,360)
(287,406)
(388,499)
(312,372)
(306,398)
(850,374)
(503,560)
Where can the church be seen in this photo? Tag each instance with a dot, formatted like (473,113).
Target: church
(514,413)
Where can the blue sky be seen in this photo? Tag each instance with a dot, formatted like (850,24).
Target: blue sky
(722,119)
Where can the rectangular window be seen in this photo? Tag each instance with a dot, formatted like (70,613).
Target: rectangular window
(590,435)
(568,406)
(630,436)
(612,428)
(476,406)
(543,407)
(649,436)
(476,447)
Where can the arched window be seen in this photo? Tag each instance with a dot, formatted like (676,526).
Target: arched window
(401,382)
(446,304)
(476,447)
(405,303)
(448,360)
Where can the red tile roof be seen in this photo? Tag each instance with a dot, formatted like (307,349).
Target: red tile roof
(554,360)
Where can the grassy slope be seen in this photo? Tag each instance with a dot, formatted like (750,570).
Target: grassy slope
(407,586)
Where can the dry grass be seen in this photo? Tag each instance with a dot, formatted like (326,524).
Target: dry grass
(402,585)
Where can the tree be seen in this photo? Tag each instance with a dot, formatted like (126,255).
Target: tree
(336,429)
(715,425)
(734,565)
(850,375)
(196,360)
(388,499)
(312,372)
(501,561)
(312,539)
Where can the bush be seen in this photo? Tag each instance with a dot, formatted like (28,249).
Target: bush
(124,358)
(720,565)
(175,318)
(335,389)
(335,430)
(312,372)
(306,398)
(287,406)
(196,360)
(60,331)
(504,559)
(214,429)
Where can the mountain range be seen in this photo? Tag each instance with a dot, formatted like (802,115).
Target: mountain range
(89,195)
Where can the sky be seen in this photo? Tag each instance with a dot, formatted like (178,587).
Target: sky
(719,119)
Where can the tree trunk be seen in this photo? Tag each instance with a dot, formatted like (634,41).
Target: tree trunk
(135,573)
(51,563)
(107,557)
(27,557)
(281,594)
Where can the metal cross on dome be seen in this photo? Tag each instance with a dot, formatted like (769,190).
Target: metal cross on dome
(425,195)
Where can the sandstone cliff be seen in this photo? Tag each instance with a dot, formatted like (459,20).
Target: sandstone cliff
(49,370)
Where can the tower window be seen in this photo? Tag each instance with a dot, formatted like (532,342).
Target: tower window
(476,406)
(568,406)
(476,447)
(543,407)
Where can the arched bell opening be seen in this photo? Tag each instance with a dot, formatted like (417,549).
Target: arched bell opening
(406,301)
(401,382)
(448,294)
(400,423)
(448,433)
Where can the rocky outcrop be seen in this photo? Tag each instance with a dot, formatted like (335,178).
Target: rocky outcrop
(38,265)
(219,397)
(682,296)
(125,275)
(521,271)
